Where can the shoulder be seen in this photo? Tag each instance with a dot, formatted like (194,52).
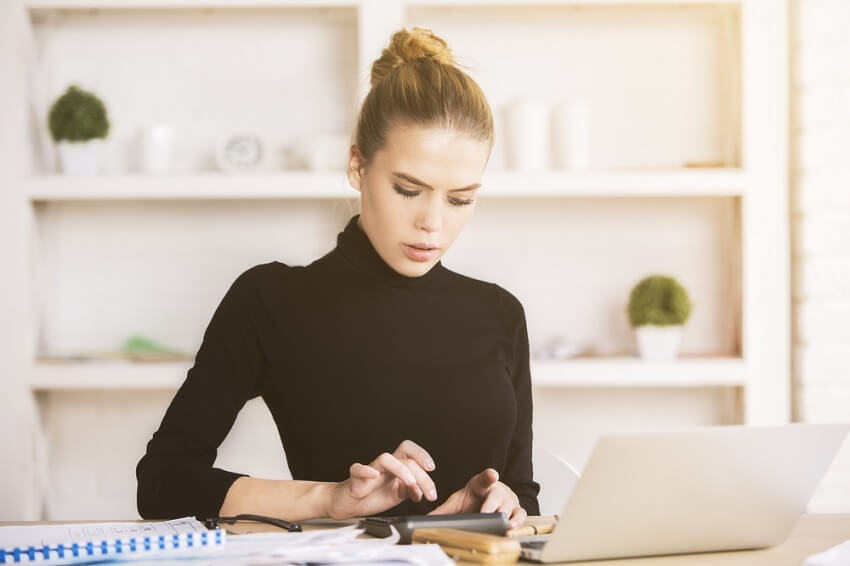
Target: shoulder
(500,299)
(265,271)
(261,278)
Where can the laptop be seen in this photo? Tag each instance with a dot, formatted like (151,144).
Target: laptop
(699,490)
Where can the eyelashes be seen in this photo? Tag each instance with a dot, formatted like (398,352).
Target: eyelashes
(452,201)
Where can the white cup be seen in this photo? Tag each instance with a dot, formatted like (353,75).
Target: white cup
(156,148)
(528,135)
(571,134)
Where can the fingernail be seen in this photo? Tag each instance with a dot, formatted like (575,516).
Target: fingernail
(433,494)
(429,463)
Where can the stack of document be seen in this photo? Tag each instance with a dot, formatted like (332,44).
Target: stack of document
(325,546)
(186,542)
(87,542)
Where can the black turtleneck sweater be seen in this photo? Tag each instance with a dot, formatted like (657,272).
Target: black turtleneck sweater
(351,357)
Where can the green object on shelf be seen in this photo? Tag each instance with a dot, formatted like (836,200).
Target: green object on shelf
(78,115)
(658,300)
(141,348)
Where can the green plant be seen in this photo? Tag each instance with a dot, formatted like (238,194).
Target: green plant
(78,115)
(658,300)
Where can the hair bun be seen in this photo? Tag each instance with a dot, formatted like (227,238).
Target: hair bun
(409,47)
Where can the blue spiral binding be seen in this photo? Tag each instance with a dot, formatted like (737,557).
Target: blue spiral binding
(64,553)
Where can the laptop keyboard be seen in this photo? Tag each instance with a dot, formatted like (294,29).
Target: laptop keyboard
(533,544)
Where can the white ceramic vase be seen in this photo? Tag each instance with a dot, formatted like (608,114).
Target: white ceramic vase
(571,135)
(80,158)
(528,135)
(659,343)
(156,148)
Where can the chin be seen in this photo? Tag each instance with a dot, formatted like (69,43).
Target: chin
(417,269)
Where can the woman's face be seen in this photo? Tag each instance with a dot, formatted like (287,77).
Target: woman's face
(418,192)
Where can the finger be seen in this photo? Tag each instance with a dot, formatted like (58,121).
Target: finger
(494,501)
(426,484)
(518,517)
(450,505)
(409,449)
(400,489)
(361,481)
(480,484)
(389,463)
(360,471)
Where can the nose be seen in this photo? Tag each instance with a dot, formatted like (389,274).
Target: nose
(430,216)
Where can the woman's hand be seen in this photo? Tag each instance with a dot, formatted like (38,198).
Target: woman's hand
(387,481)
(484,493)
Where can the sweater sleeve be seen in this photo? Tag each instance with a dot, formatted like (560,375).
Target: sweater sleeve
(176,477)
(518,472)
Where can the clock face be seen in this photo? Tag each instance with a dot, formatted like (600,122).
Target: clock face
(244,151)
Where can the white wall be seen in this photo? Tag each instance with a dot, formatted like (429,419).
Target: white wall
(820,184)
(17,469)
(123,267)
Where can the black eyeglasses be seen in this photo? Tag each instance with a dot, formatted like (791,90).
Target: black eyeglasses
(213,522)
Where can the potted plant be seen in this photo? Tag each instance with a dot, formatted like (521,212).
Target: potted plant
(658,308)
(78,124)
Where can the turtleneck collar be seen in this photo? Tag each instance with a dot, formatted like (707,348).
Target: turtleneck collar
(356,246)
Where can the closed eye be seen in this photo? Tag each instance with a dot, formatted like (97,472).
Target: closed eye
(452,200)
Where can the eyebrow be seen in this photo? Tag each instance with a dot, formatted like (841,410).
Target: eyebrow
(415,181)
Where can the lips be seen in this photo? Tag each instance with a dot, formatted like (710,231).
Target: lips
(415,253)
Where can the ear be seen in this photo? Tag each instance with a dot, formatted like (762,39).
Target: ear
(355,169)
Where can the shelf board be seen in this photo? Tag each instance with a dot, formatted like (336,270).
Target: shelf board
(584,372)
(574,3)
(636,183)
(201,186)
(51,5)
(108,375)
(334,185)
(634,372)
(34,6)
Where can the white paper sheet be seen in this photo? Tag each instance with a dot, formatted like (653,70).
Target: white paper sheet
(40,535)
(326,546)
(836,556)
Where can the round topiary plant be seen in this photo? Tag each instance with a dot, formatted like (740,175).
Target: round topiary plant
(658,300)
(77,116)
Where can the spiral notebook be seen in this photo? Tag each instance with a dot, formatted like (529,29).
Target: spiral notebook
(77,543)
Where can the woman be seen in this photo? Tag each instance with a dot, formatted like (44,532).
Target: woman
(396,385)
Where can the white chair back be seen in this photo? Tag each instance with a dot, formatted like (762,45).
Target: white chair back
(556,477)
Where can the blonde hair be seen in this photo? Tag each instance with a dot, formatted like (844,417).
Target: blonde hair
(417,81)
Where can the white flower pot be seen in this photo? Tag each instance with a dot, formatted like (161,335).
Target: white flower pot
(80,158)
(658,343)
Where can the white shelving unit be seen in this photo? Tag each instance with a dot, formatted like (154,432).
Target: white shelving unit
(608,372)
(631,372)
(285,185)
(108,375)
(754,184)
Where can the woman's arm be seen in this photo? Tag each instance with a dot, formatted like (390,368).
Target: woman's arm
(384,483)
(518,473)
(286,499)
(176,476)
(514,492)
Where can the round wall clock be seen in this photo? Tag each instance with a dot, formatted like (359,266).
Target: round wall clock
(241,152)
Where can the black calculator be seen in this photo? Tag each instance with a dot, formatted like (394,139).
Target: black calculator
(491,523)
